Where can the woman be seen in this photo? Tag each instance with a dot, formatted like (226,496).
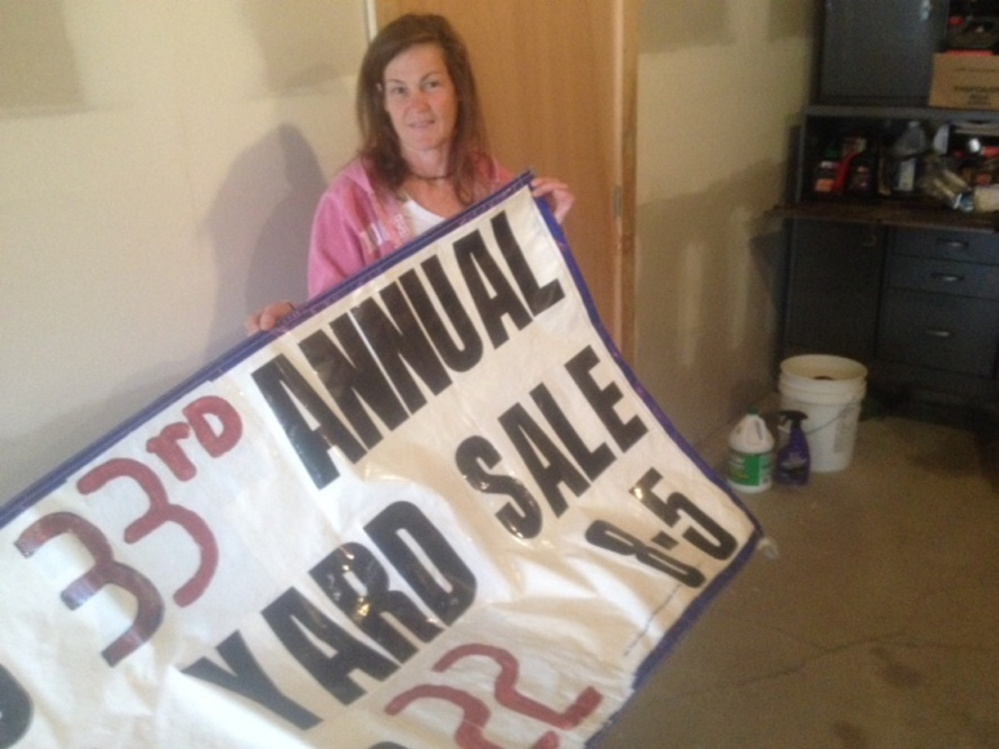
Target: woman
(424,156)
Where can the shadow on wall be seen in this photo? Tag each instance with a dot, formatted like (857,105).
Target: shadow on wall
(34,455)
(261,219)
(259,225)
(710,292)
(791,19)
(298,43)
(38,73)
(682,24)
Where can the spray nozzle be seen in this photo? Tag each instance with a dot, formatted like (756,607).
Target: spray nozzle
(794,417)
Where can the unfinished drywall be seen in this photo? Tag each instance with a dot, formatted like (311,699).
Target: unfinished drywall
(161,162)
(720,86)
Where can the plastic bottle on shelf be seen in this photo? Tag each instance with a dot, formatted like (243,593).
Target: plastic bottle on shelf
(750,460)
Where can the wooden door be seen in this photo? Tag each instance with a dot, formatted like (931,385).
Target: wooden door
(557,81)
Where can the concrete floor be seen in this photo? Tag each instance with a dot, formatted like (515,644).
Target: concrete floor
(873,623)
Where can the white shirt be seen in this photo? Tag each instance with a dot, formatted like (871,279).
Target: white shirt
(418,217)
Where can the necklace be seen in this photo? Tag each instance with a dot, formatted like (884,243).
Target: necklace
(433,178)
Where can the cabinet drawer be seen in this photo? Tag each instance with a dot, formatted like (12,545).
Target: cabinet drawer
(944,276)
(943,332)
(970,247)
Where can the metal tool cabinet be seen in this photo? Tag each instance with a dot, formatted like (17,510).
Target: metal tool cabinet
(905,285)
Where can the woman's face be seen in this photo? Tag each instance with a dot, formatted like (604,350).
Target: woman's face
(420,99)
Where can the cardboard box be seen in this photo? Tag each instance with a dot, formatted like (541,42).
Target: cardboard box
(965,81)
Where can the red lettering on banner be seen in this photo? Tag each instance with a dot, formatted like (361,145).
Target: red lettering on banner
(217,427)
(508,696)
(219,444)
(106,571)
(166,446)
(476,714)
(160,512)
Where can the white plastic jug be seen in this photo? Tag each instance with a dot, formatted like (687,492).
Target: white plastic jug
(750,460)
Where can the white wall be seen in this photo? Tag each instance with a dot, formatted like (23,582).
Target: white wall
(159,165)
(160,162)
(721,83)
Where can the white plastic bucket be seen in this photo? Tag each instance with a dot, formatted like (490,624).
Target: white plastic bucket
(829,390)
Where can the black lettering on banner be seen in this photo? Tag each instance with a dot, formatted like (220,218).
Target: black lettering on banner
(106,571)
(279,381)
(369,608)
(459,356)
(593,462)
(608,536)
(522,518)
(15,710)
(397,531)
(372,363)
(478,266)
(249,680)
(539,298)
(398,341)
(546,463)
(352,375)
(603,400)
(290,613)
(717,542)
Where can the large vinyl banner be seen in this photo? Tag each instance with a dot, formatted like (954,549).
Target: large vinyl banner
(434,510)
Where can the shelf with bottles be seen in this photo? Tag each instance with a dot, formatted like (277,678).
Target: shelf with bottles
(898,165)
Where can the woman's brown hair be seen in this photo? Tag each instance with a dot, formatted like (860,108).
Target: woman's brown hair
(380,146)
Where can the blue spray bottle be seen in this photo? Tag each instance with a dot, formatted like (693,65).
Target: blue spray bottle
(793,458)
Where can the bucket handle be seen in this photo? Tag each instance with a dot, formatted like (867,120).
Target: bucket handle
(850,404)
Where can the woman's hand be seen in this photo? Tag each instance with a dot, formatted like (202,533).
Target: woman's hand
(268,317)
(556,192)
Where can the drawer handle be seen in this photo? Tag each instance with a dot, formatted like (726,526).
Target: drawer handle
(952,244)
(947,277)
(939,333)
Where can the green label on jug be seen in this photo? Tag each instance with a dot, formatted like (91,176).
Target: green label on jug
(749,470)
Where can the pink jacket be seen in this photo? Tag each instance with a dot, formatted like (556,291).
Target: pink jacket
(356,224)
